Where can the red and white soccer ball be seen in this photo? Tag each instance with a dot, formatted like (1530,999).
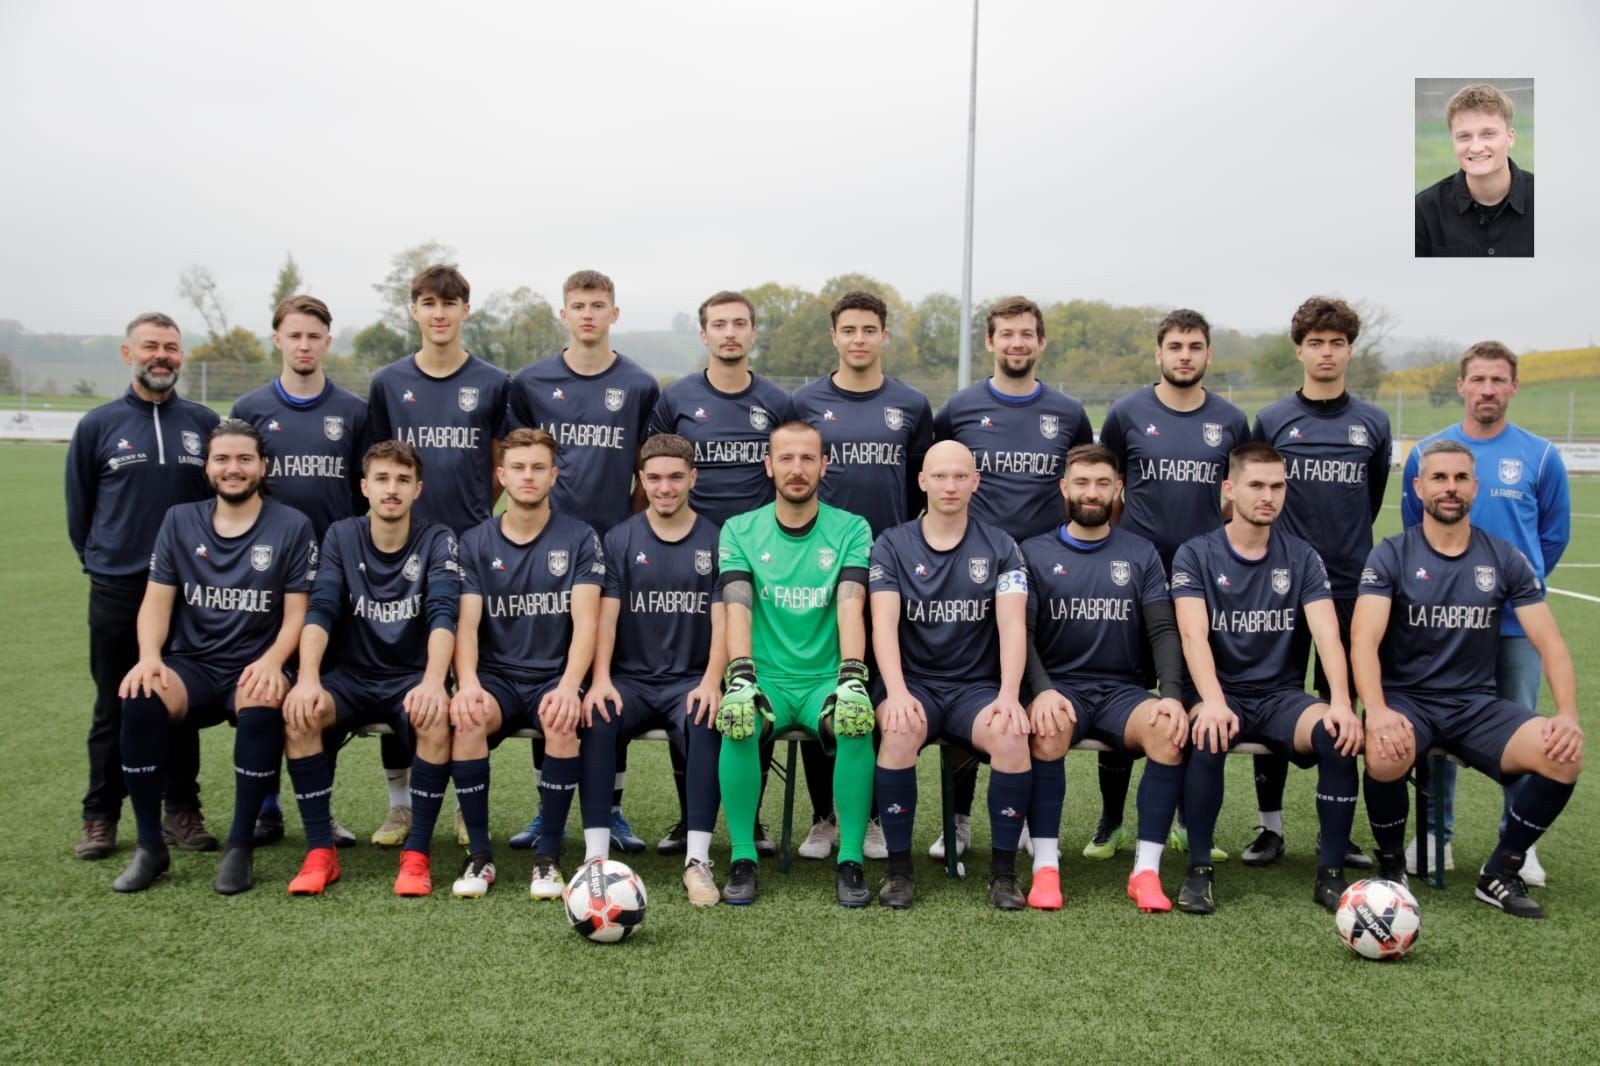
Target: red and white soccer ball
(1378,919)
(605,901)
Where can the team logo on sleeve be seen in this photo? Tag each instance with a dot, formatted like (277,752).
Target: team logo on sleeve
(413,568)
(1358,436)
(759,419)
(1484,576)
(614,398)
(1120,571)
(191,444)
(1212,434)
(875,573)
(1049,426)
(893,417)
(1511,471)
(261,556)
(978,568)
(312,554)
(1280,582)
(702,561)
(1369,576)
(557,562)
(333,427)
(1181,580)
(467,398)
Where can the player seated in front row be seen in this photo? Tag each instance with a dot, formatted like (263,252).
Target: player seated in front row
(530,597)
(221,615)
(1425,642)
(383,613)
(1237,591)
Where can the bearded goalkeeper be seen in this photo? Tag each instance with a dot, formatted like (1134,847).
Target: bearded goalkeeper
(794,577)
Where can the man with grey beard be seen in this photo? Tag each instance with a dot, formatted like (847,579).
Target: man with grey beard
(129,461)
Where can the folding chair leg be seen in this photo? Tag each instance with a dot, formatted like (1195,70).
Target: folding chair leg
(947,791)
(1436,831)
(788,807)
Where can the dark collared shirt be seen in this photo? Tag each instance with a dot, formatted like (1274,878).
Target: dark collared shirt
(1451,223)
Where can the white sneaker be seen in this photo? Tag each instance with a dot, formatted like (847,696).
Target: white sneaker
(963,838)
(1025,842)
(1449,855)
(547,881)
(873,846)
(342,837)
(477,874)
(818,843)
(1532,870)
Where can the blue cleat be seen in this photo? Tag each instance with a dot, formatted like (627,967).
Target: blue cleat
(622,835)
(529,837)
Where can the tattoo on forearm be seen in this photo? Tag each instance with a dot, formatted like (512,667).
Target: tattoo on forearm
(739,592)
(852,590)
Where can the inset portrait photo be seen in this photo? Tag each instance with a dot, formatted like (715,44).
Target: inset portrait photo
(1474,182)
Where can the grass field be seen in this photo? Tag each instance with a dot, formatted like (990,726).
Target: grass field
(179,974)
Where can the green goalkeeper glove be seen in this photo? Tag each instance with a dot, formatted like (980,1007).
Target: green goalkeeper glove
(741,700)
(850,705)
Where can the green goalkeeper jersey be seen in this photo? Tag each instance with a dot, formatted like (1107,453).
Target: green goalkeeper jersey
(794,630)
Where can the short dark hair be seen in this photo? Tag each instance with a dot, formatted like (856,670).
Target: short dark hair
(1091,455)
(794,425)
(1253,451)
(302,305)
(152,318)
(445,282)
(1011,306)
(1447,447)
(727,296)
(1323,313)
(667,446)
(1184,321)
(236,427)
(859,300)
(394,451)
(524,437)
(1491,350)
(588,279)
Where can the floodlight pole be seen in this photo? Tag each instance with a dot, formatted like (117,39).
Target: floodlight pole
(964,358)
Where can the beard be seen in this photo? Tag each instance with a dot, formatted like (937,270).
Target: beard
(241,496)
(1018,372)
(1254,520)
(1172,378)
(794,494)
(1089,515)
(147,378)
(1433,507)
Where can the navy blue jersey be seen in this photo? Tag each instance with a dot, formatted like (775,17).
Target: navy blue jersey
(665,590)
(1253,605)
(947,625)
(1020,446)
(380,607)
(729,431)
(1173,463)
(875,441)
(453,423)
(1088,601)
(231,589)
(599,420)
(314,449)
(1338,465)
(129,461)
(525,630)
(1445,611)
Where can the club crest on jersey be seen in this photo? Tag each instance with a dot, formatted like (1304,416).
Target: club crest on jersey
(614,399)
(1049,426)
(1212,434)
(556,561)
(261,556)
(273,426)
(702,561)
(191,444)
(825,558)
(1280,582)
(1358,436)
(978,569)
(1484,576)
(759,419)
(413,568)
(893,417)
(1511,471)
(1120,571)
(333,427)
(467,398)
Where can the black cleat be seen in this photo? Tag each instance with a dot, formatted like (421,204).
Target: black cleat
(1508,891)
(1392,867)
(1264,850)
(897,890)
(1006,893)
(741,887)
(850,882)
(146,865)
(765,845)
(1197,895)
(1330,886)
(676,841)
(236,872)
(269,828)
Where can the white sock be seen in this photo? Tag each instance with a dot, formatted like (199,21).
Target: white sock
(1046,852)
(596,844)
(1272,820)
(1147,855)
(699,846)
(399,787)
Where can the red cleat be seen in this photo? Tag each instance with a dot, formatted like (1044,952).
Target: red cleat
(416,876)
(319,870)
(1144,888)
(1045,892)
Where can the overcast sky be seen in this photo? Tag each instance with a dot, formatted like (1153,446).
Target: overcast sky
(1233,157)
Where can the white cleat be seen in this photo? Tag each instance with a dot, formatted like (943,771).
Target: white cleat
(873,846)
(547,881)
(1533,870)
(963,838)
(476,876)
(1449,857)
(819,843)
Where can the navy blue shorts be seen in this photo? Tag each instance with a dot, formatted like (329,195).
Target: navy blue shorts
(373,699)
(1103,707)
(1475,727)
(210,690)
(518,698)
(655,705)
(1270,718)
(952,706)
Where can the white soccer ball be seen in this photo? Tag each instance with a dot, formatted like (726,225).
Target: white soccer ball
(1378,919)
(605,901)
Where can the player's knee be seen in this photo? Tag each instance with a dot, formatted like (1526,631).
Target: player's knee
(1008,752)
(1383,769)
(1049,749)
(897,747)
(1564,772)
(1326,747)
(1160,748)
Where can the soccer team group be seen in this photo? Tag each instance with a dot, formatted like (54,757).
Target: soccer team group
(726,561)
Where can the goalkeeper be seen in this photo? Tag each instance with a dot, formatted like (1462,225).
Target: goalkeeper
(794,577)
